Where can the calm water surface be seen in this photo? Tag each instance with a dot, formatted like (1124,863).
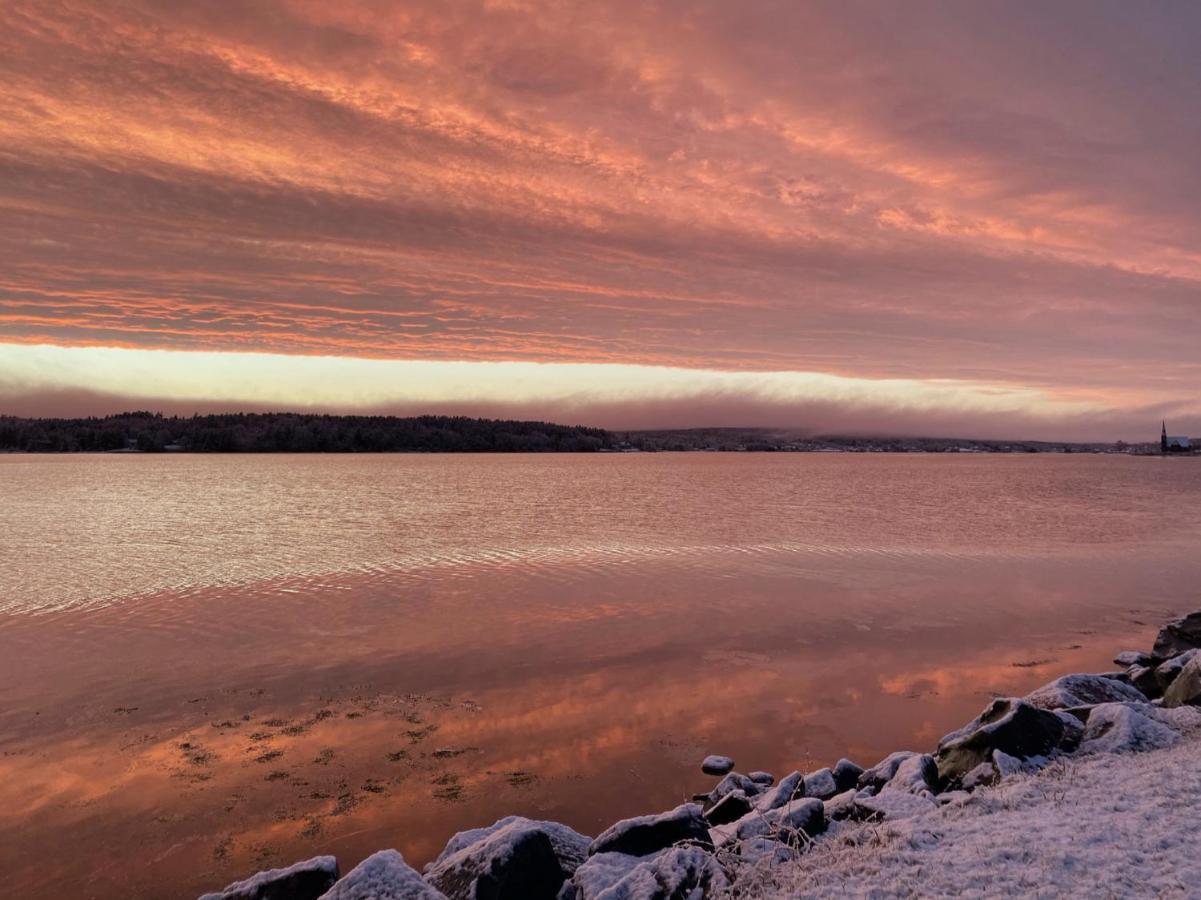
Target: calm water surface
(210,665)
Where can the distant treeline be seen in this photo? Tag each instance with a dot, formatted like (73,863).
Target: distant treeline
(295,433)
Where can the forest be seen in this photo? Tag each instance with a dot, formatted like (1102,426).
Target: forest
(295,433)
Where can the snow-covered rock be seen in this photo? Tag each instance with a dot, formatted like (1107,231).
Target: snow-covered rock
(646,834)
(513,859)
(764,779)
(790,787)
(820,784)
(1129,727)
(681,873)
(841,806)
(1145,679)
(717,765)
(730,808)
(846,774)
(734,781)
(382,876)
(883,771)
(1083,690)
(306,880)
(1185,689)
(1179,635)
(1166,671)
(918,775)
(570,847)
(1012,726)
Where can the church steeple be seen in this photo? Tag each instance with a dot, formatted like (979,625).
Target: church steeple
(1163,438)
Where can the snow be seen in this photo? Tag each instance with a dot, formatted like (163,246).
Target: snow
(915,775)
(782,793)
(1095,825)
(679,872)
(382,876)
(892,803)
(1130,727)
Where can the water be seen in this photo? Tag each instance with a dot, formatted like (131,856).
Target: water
(209,665)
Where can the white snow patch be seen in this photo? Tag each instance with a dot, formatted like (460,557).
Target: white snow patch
(382,876)
(1111,825)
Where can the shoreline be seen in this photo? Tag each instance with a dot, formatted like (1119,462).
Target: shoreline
(751,831)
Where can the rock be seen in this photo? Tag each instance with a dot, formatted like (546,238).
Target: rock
(820,784)
(1006,765)
(306,880)
(841,806)
(1185,689)
(1131,727)
(733,782)
(682,873)
(791,786)
(1012,726)
(764,779)
(382,876)
(1179,635)
(646,834)
(807,815)
(717,765)
(732,807)
(762,850)
(570,847)
(1082,690)
(890,803)
(846,774)
(1145,679)
(883,771)
(984,775)
(918,775)
(1128,658)
(1166,671)
(511,860)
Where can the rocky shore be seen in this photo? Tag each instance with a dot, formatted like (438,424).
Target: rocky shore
(722,843)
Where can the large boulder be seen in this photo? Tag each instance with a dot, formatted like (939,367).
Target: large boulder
(1083,690)
(1179,635)
(1134,727)
(1010,725)
(1128,658)
(1185,689)
(306,880)
(646,834)
(675,874)
(383,876)
(882,772)
(570,847)
(1166,671)
(717,765)
(515,861)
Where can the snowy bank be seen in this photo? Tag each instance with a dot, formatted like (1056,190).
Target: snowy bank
(1111,825)
(1087,786)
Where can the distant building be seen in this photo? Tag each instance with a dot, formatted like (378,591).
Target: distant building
(1173,443)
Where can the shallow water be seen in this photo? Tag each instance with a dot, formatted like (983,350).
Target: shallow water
(210,665)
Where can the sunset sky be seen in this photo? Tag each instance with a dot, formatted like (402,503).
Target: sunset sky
(941,218)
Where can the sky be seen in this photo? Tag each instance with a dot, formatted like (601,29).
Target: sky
(908,218)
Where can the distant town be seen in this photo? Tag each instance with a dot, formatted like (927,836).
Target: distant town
(147,432)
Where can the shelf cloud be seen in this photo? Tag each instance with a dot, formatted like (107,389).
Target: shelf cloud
(921,217)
